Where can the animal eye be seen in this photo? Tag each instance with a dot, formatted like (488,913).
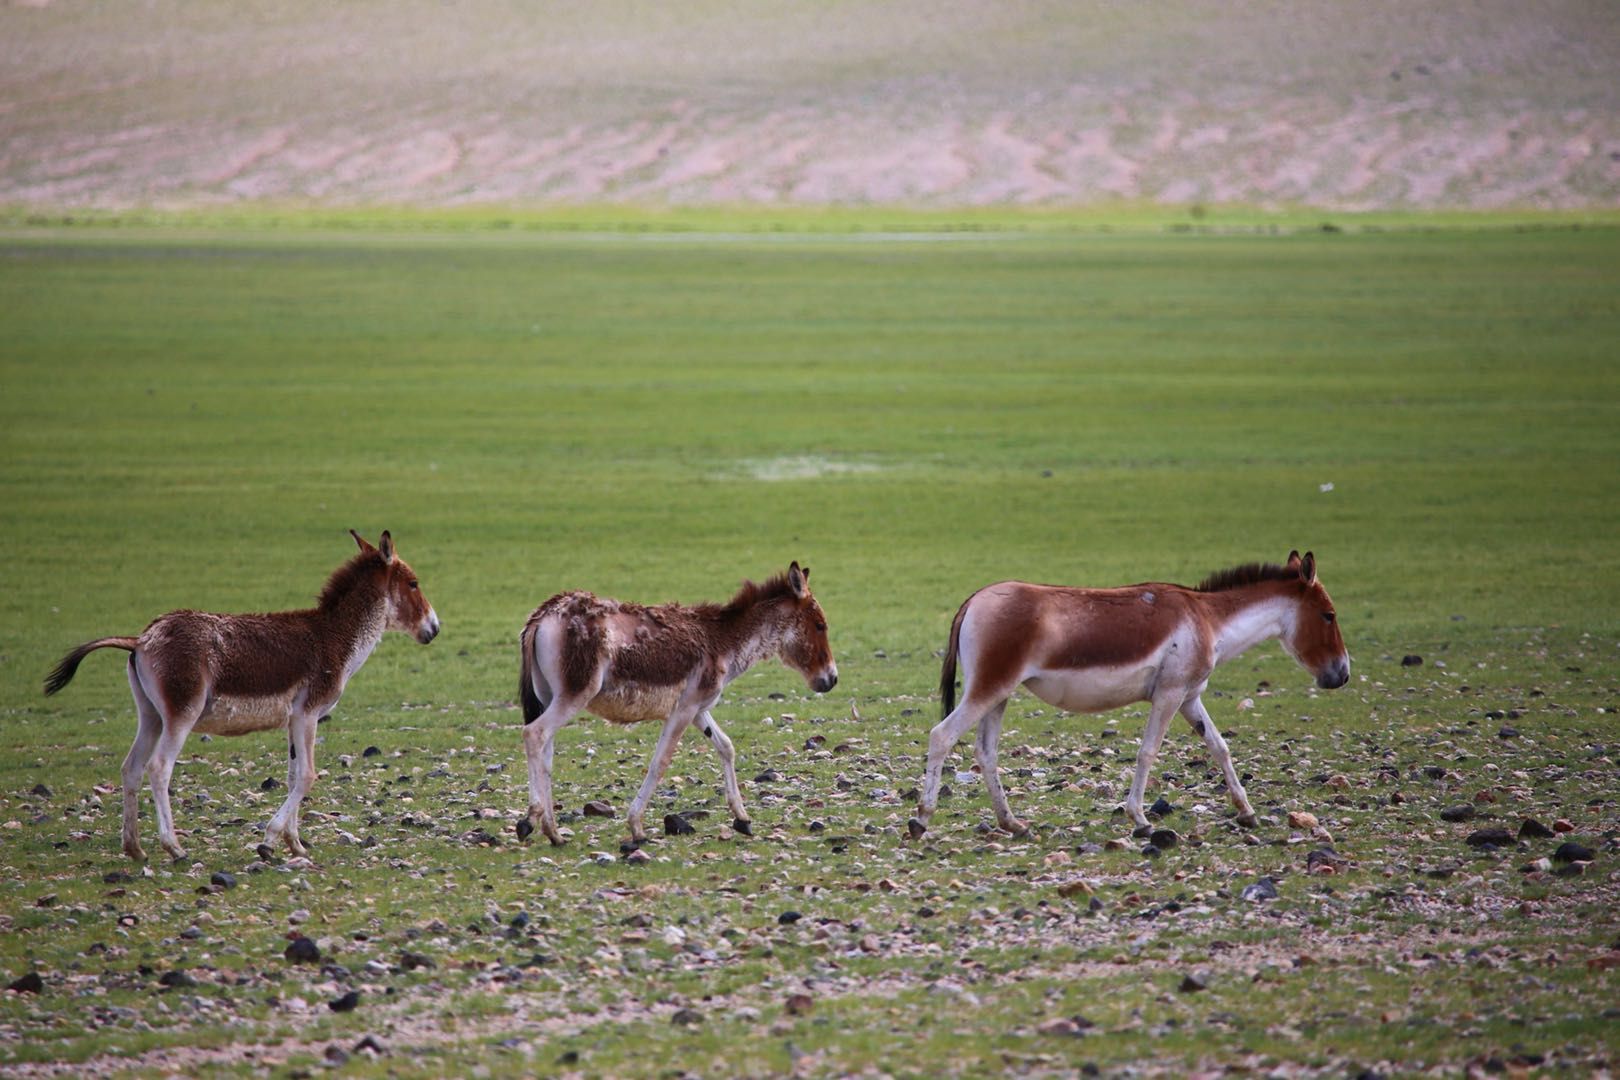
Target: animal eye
(413,586)
(1328,616)
(821,627)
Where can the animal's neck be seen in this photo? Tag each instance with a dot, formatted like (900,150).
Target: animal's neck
(357,619)
(758,636)
(1246,619)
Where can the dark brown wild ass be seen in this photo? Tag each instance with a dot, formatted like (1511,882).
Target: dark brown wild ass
(235,674)
(627,663)
(1091,650)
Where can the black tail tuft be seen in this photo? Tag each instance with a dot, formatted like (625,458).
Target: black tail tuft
(63,672)
(532,705)
(947,671)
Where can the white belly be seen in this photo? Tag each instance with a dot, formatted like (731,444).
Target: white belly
(241,715)
(1094,689)
(630,704)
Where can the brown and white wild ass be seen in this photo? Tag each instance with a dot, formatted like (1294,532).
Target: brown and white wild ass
(627,663)
(235,674)
(1091,650)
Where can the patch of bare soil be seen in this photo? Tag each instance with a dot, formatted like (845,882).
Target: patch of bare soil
(1486,105)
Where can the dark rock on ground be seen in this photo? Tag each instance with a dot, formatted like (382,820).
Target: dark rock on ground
(1264,889)
(30,983)
(1492,837)
(1460,812)
(346,1003)
(301,950)
(1570,851)
(676,825)
(1532,829)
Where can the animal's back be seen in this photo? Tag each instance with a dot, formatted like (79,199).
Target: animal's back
(646,653)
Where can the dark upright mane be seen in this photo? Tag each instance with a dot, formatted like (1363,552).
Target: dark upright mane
(346,578)
(1248,574)
(752,593)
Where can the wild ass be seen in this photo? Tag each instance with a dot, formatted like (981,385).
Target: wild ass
(627,663)
(1091,650)
(235,674)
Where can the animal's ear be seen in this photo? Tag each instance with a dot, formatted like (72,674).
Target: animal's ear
(1307,568)
(386,547)
(796,580)
(1293,559)
(365,545)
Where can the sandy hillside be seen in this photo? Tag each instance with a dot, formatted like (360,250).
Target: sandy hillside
(167,103)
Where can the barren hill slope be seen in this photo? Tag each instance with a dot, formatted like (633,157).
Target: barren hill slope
(1373,104)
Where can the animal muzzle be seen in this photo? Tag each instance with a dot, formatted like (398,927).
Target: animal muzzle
(825,681)
(1335,674)
(428,629)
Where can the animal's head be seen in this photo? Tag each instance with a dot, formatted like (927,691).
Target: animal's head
(1314,638)
(805,648)
(408,610)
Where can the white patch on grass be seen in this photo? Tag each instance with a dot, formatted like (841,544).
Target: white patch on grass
(803,467)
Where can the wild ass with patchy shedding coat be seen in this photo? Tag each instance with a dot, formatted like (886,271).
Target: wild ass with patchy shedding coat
(1091,650)
(235,674)
(627,663)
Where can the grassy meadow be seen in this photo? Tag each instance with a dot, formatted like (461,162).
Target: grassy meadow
(194,414)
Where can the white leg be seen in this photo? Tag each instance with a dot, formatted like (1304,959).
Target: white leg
(160,769)
(300,779)
(728,769)
(1164,707)
(538,739)
(668,739)
(140,752)
(1198,717)
(945,735)
(985,751)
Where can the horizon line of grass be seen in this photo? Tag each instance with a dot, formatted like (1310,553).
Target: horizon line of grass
(632,218)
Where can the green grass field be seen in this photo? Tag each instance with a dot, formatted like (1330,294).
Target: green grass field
(194,414)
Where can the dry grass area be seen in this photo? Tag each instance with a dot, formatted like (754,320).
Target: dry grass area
(1479,104)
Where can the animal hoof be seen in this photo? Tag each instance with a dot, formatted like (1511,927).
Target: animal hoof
(627,846)
(743,826)
(135,851)
(1017,828)
(1142,831)
(525,829)
(1248,821)
(915,828)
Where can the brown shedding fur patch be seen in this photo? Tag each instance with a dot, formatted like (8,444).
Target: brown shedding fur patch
(348,577)
(1248,574)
